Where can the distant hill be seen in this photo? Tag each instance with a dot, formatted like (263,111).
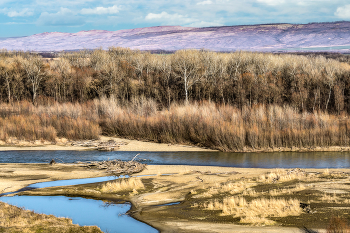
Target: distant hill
(333,37)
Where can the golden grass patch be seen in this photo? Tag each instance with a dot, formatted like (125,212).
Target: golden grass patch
(129,184)
(256,211)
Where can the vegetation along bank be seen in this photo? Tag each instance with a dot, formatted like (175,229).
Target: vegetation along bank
(228,101)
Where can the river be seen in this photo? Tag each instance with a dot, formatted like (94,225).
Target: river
(247,160)
(111,217)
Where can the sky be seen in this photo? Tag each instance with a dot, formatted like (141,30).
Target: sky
(28,17)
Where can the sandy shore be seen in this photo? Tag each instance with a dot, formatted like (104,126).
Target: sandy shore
(175,186)
(136,145)
(125,145)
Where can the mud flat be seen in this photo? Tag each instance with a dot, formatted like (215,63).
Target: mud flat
(174,198)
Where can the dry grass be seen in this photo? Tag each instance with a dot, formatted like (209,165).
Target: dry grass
(278,192)
(14,219)
(25,121)
(338,198)
(284,175)
(338,225)
(236,187)
(122,185)
(227,128)
(221,127)
(256,211)
(29,128)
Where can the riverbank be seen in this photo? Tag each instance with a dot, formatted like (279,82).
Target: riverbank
(192,198)
(122,144)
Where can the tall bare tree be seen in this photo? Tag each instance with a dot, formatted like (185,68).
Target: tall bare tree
(63,69)
(331,69)
(185,66)
(34,69)
(6,69)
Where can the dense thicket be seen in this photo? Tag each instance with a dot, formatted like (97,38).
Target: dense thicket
(241,79)
(220,127)
(227,101)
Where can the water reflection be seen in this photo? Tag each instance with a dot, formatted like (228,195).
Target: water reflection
(85,212)
(254,160)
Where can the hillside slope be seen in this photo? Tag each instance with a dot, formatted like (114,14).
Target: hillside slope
(275,37)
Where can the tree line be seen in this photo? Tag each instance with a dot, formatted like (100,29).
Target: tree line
(240,79)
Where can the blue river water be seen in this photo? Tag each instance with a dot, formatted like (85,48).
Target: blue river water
(253,160)
(85,212)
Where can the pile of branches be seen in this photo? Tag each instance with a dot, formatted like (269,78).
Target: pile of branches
(109,145)
(117,167)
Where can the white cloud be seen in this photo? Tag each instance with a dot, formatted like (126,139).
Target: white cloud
(22,13)
(343,12)
(208,2)
(101,10)
(168,18)
(65,17)
(165,18)
(272,2)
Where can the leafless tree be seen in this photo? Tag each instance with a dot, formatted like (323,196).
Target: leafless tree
(63,69)
(331,69)
(6,68)
(34,69)
(164,65)
(186,67)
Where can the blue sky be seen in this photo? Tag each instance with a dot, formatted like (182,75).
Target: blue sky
(27,17)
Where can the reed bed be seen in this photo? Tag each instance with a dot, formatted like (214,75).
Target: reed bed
(228,128)
(206,124)
(25,121)
(122,185)
(257,211)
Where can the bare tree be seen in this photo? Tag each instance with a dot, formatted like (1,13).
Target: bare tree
(186,67)
(331,69)
(63,69)
(34,69)
(214,71)
(79,59)
(164,65)
(6,68)
(107,64)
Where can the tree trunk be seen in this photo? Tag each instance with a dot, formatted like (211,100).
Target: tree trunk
(8,89)
(329,96)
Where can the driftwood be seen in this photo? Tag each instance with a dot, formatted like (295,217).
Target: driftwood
(117,167)
(109,145)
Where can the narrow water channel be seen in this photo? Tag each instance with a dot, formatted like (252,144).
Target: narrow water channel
(85,212)
(109,217)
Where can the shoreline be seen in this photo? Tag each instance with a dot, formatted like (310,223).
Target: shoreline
(124,144)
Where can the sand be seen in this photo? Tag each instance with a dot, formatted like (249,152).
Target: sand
(174,183)
(126,145)
(179,183)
